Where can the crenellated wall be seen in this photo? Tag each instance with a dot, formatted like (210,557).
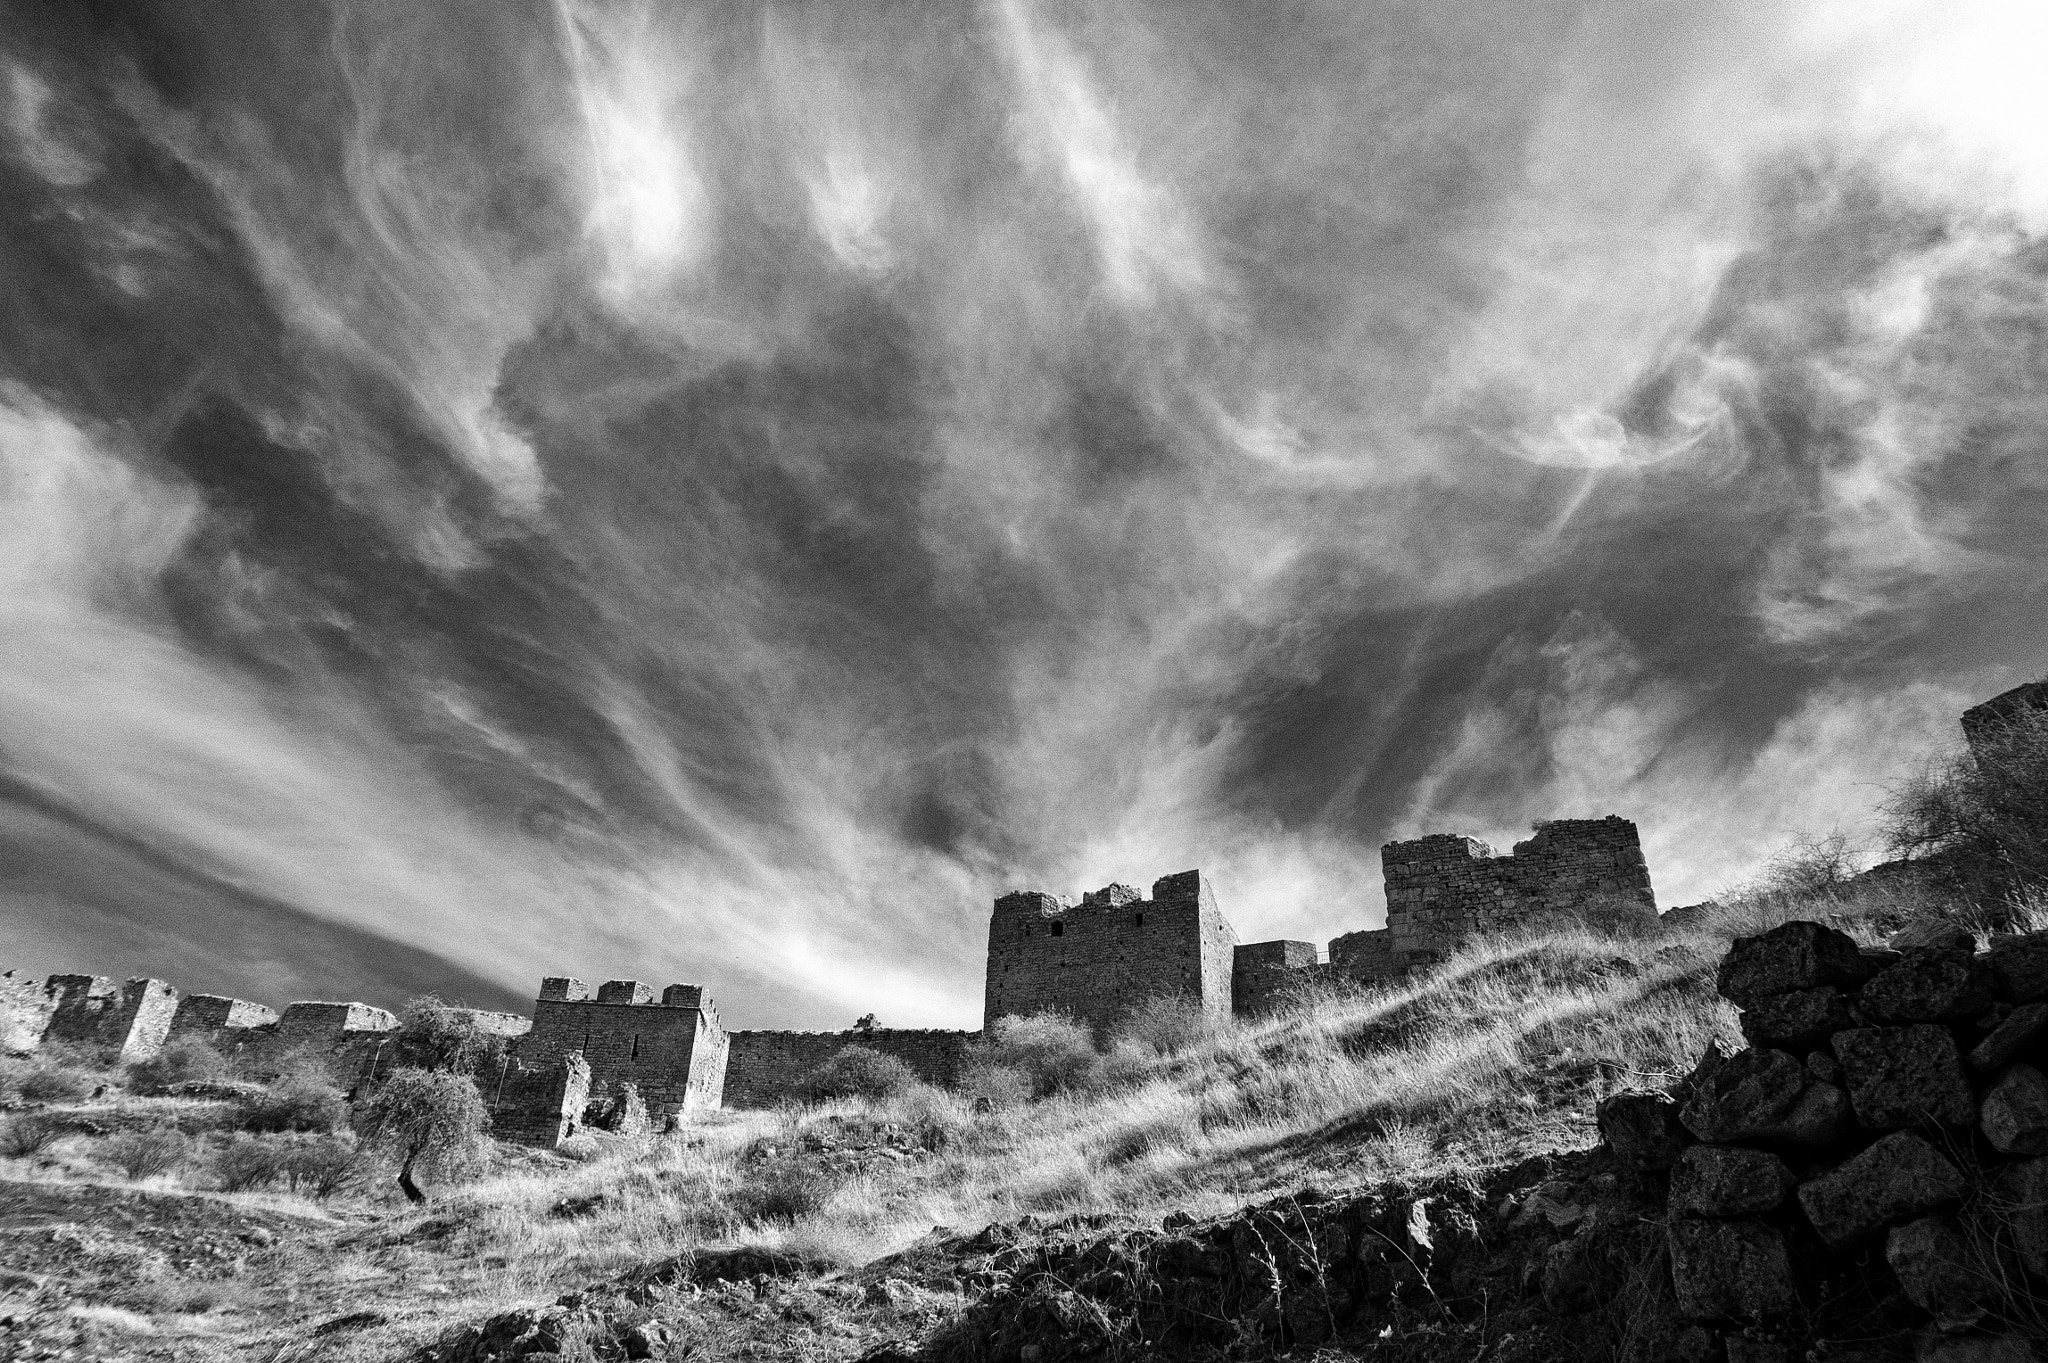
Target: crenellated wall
(673,1050)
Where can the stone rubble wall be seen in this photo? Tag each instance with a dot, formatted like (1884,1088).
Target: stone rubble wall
(765,1068)
(541,1104)
(674,1052)
(1266,974)
(1888,1117)
(129,1019)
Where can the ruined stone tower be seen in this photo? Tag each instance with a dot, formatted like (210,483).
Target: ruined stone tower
(1098,959)
(672,1051)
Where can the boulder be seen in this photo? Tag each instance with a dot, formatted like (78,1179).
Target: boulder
(1899,1176)
(2015,1112)
(1730,1270)
(1789,957)
(1763,1095)
(1930,984)
(1642,1129)
(2017,1035)
(1824,1067)
(1801,1018)
(2019,964)
(1570,1279)
(2023,1191)
(1932,1264)
(1728,1180)
(1905,1076)
(1933,932)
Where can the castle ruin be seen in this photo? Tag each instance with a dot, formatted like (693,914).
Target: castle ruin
(620,1058)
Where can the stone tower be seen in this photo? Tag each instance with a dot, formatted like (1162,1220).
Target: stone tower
(1098,959)
(673,1050)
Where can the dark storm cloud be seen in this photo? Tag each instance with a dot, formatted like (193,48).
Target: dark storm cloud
(719,492)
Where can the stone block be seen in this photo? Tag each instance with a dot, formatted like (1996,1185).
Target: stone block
(1728,1180)
(1642,1129)
(2019,1034)
(2019,964)
(2023,1191)
(2015,1112)
(1930,984)
(1824,1067)
(1897,1177)
(1789,957)
(1931,1262)
(625,991)
(1802,1018)
(1905,1076)
(1765,1096)
(562,988)
(1730,1270)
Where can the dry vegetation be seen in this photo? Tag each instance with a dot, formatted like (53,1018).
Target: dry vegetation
(1501,1052)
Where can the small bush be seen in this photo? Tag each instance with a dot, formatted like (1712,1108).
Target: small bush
(1054,1053)
(49,1084)
(29,1134)
(784,1193)
(321,1165)
(148,1152)
(857,1072)
(1166,1024)
(248,1162)
(440,1036)
(183,1060)
(995,1088)
(296,1102)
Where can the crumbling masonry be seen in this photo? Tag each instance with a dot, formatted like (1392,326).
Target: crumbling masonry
(621,1059)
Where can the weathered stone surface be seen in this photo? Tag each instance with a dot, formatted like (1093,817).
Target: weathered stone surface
(1800,1018)
(1930,984)
(1934,1346)
(1748,1348)
(1569,1279)
(1824,1067)
(1789,957)
(1728,1180)
(1933,932)
(1730,1270)
(1905,1076)
(2015,1037)
(1898,1177)
(1642,1129)
(2023,1193)
(2015,1117)
(1931,1262)
(2020,966)
(1762,1095)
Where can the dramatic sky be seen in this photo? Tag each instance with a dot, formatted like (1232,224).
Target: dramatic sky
(718,492)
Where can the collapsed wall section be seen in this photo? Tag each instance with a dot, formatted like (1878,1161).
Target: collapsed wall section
(540,1104)
(765,1068)
(1445,888)
(1097,960)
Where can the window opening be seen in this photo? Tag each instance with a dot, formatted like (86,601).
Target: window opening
(1141,920)
(636,1046)
(1059,929)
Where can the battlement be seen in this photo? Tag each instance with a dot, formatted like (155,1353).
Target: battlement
(673,1052)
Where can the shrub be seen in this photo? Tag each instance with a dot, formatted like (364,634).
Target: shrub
(440,1036)
(427,1118)
(248,1162)
(184,1059)
(994,1088)
(148,1152)
(295,1102)
(1165,1024)
(49,1084)
(1985,807)
(1054,1053)
(785,1193)
(857,1072)
(29,1134)
(321,1165)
